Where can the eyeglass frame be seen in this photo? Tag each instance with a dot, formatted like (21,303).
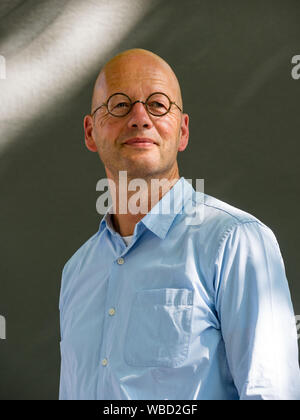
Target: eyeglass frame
(133,103)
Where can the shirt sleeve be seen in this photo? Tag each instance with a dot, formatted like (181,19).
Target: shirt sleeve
(63,389)
(256,314)
(63,394)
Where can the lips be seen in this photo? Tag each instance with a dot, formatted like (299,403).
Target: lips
(140,140)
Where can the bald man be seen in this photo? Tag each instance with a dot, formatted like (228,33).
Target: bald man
(159,303)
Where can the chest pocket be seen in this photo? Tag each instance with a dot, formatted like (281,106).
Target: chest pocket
(159,328)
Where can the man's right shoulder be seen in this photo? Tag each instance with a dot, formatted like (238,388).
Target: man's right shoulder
(74,263)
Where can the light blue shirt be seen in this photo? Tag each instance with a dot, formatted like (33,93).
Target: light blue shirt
(187,311)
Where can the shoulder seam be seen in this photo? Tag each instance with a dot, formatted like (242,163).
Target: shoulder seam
(225,211)
(227,232)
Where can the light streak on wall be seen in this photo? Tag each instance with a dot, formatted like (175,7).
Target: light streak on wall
(61,58)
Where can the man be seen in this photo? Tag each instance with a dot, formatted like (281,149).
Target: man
(154,305)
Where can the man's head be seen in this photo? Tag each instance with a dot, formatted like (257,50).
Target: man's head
(137,73)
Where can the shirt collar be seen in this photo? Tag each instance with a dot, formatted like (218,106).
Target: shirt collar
(106,221)
(160,218)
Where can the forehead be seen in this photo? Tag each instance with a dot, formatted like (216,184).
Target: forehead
(137,76)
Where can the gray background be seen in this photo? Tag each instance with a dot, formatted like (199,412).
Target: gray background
(233,60)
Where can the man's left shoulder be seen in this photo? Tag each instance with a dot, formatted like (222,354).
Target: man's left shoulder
(217,218)
(220,209)
(217,212)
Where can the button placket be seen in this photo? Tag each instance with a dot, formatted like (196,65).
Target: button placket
(112,311)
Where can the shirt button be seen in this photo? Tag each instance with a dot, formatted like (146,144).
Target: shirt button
(104,362)
(112,311)
(120,260)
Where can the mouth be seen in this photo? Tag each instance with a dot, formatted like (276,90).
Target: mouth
(140,142)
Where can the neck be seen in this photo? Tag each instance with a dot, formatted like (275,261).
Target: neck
(133,198)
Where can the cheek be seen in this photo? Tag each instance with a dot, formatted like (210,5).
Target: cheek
(106,132)
(169,129)
(107,120)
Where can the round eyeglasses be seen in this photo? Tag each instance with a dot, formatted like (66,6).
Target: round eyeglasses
(119,104)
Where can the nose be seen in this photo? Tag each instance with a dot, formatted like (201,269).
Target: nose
(139,117)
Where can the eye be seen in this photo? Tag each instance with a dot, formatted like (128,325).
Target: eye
(122,105)
(156,104)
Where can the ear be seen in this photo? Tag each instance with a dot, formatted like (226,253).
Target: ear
(88,124)
(184,134)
